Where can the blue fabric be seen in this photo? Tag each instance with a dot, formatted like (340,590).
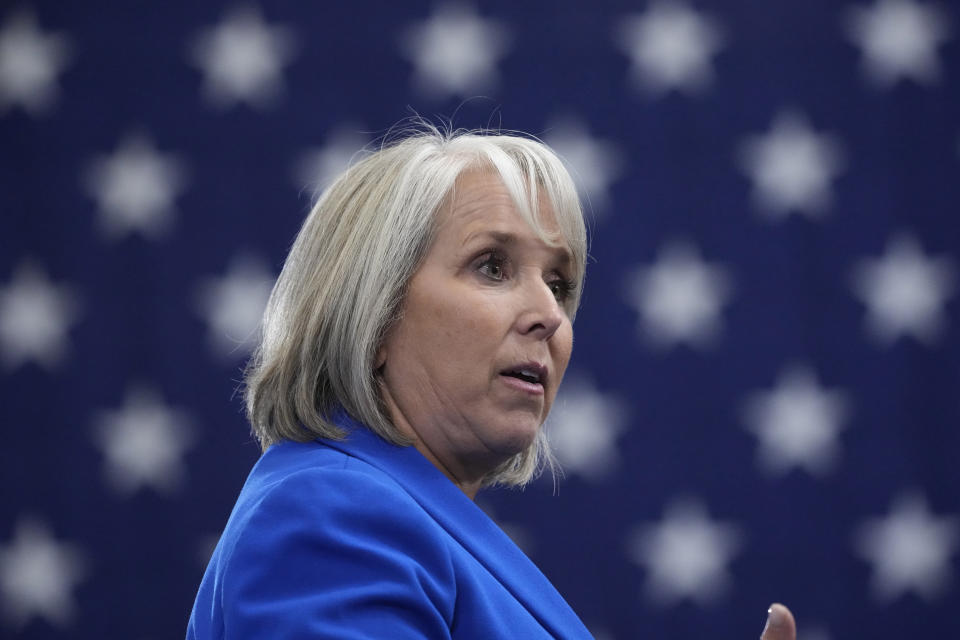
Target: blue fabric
(364,539)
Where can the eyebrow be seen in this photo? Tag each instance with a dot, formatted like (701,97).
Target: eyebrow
(508,239)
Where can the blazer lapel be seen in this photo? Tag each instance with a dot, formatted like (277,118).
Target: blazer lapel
(467,524)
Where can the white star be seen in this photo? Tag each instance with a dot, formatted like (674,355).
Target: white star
(679,298)
(318,168)
(143,443)
(791,167)
(135,188)
(584,425)
(29,64)
(594,163)
(796,423)
(455,51)
(38,575)
(910,549)
(899,40)
(905,291)
(242,59)
(686,555)
(233,305)
(670,47)
(817,633)
(35,316)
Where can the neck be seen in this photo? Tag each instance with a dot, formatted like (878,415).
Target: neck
(459,475)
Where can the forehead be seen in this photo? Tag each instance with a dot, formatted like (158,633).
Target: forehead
(479,201)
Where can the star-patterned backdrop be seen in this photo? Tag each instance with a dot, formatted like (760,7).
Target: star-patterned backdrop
(764,398)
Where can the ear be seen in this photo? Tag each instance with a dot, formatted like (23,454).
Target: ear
(380,360)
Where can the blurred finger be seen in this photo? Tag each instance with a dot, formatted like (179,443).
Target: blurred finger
(780,624)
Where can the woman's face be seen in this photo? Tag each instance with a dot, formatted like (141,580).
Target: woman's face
(472,367)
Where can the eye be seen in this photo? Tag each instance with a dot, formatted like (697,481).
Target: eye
(493,266)
(562,289)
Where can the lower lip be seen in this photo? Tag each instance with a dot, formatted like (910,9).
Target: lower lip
(533,388)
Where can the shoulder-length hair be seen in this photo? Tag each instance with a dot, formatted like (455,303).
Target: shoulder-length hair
(343,283)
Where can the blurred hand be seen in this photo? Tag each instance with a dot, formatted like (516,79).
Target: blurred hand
(780,624)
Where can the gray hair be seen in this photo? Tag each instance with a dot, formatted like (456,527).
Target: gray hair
(344,281)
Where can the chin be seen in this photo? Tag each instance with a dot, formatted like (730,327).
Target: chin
(517,437)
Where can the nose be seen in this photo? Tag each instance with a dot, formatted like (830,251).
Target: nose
(542,315)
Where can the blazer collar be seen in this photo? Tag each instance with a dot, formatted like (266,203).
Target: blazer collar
(466,523)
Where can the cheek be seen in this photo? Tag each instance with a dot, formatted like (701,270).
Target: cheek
(450,333)
(563,347)
(469,321)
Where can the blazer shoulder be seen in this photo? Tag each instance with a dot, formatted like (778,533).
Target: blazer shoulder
(319,483)
(324,533)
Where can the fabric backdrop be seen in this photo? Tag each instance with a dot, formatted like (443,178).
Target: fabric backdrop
(763,399)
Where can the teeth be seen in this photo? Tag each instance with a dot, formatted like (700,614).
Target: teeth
(524,374)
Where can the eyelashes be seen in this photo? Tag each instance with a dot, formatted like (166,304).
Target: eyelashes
(562,289)
(495,266)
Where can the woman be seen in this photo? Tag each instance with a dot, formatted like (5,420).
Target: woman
(411,350)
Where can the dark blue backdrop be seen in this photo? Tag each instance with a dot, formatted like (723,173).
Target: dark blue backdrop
(763,399)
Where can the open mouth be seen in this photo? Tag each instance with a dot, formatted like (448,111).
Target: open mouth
(532,375)
(526,376)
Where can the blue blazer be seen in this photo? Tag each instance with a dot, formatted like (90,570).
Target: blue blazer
(364,539)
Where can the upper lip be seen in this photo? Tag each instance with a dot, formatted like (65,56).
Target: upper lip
(529,368)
